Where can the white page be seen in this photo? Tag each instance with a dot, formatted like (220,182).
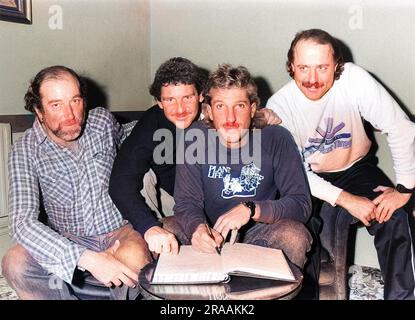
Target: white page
(256,260)
(189,266)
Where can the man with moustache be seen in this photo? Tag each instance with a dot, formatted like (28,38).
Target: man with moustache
(323,107)
(264,197)
(63,163)
(176,88)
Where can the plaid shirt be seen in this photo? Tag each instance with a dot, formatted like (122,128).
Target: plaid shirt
(74,189)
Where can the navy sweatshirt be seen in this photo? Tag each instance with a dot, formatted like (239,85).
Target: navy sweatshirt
(212,185)
(133,161)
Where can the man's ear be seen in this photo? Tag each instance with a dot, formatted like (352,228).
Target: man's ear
(209,111)
(160,104)
(201,98)
(253,109)
(39,114)
(292,67)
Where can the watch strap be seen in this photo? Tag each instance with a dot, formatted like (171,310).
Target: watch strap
(402,189)
(251,205)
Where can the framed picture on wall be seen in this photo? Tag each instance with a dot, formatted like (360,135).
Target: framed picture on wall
(16,11)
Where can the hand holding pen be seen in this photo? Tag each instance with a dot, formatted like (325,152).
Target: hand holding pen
(206,239)
(209,231)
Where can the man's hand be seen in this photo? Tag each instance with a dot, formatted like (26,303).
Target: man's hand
(264,117)
(160,240)
(107,269)
(234,219)
(360,207)
(202,241)
(388,202)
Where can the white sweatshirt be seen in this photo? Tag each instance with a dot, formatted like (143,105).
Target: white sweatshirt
(330,134)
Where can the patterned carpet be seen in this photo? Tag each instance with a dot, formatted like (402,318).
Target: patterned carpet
(6,293)
(365,283)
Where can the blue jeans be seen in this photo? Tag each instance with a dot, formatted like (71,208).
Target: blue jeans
(31,281)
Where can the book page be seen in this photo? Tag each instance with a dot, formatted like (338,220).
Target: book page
(189,266)
(255,261)
(195,291)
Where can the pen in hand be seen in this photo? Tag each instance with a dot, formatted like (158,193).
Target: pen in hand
(209,231)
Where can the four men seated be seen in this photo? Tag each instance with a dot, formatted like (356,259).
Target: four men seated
(245,181)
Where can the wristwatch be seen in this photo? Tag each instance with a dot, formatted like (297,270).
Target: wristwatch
(251,205)
(402,189)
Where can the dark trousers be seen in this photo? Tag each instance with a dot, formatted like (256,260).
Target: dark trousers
(394,239)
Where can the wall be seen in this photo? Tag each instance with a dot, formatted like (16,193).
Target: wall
(257,34)
(107,41)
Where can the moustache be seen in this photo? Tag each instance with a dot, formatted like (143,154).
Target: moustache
(316,85)
(77,121)
(231,125)
(182,115)
(71,122)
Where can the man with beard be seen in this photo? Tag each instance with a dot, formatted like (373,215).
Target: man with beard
(323,107)
(63,163)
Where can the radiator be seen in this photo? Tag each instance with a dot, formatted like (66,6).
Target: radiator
(5,143)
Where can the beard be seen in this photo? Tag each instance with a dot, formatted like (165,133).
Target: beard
(70,133)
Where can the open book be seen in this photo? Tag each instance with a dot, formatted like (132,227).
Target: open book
(240,259)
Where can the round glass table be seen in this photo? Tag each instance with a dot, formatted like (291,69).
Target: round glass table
(238,288)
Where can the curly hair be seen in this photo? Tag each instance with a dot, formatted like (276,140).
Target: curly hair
(175,71)
(32,97)
(227,77)
(320,37)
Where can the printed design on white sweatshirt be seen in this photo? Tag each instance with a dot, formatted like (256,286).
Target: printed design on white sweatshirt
(243,185)
(330,139)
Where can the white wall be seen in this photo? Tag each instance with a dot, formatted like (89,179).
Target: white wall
(105,40)
(257,34)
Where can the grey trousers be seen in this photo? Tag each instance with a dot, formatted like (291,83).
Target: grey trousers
(32,282)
